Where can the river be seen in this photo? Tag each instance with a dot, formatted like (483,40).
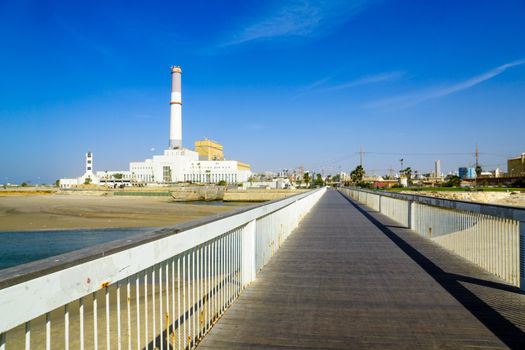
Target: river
(21,247)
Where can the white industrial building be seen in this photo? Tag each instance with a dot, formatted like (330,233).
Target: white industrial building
(108,178)
(177,164)
(184,166)
(88,175)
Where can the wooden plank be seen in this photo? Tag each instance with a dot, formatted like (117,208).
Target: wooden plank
(340,282)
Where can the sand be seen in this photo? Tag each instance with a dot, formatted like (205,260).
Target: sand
(43,212)
(516,199)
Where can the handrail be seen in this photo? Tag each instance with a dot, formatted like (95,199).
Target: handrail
(491,236)
(501,210)
(20,273)
(208,262)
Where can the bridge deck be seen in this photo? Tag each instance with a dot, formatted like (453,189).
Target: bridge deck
(350,278)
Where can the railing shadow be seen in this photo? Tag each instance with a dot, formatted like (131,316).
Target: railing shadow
(505,330)
(170,331)
(485,283)
(393,226)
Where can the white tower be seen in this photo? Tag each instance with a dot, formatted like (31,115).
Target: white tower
(176,109)
(89,163)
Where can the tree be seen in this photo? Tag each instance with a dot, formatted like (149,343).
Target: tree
(57,183)
(452,181)
(357,174)
(87,181)
(306,178)
(222,183)
(319,180)
(118,176)
(407,172)
(478,170)
(24,184)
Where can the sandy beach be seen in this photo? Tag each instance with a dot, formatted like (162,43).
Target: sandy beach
(43,212)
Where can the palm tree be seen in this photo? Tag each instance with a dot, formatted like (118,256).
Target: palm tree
(408,173)
(478,170)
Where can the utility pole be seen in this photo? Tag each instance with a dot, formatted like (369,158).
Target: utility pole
(361,152)
(478,167)
(477,156)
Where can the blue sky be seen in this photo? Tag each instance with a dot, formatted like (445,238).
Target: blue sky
(280,83)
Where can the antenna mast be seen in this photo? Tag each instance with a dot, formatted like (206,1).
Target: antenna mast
(477,156)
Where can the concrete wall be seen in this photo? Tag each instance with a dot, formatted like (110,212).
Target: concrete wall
(198,193)
(257,195)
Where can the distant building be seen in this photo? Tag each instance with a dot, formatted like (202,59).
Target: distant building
(88,177)
(437,169)
(283,173)
(516,166)
(384,183)
(209,150)
(467,173)
(267,175)
(274,184)
(178,164)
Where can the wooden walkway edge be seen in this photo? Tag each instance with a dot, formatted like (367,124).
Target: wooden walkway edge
(351,278)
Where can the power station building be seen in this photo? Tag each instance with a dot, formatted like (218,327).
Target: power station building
(209,150)
(205,164)
(516,166)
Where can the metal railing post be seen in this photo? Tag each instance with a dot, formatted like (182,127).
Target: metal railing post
(522,255)
(410,213)
(248,253)
(219,258)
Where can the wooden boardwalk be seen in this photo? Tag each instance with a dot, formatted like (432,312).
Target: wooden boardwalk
(350,278)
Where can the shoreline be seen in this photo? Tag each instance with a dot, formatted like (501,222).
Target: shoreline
(67,229)
(85,212)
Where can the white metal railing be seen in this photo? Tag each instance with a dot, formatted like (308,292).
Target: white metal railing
(491,236)
(162,291)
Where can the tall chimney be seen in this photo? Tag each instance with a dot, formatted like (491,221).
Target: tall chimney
(176,109)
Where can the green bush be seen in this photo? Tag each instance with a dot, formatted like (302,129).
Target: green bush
(519,183)
(452,181)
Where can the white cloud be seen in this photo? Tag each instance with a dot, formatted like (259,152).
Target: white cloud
(433,93)
(298,18)
(320,85)
(369,79)
(314,85)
